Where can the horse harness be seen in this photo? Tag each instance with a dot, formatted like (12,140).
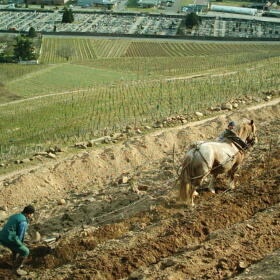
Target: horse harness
(230,158)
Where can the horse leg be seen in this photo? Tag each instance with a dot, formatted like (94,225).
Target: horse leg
(187,189)
(192,194)
(230,176)
(192,200)
(211,184)
(231,183)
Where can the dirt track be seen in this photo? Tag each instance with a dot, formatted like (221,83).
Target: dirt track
(137,230)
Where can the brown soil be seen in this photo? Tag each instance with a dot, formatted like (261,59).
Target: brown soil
(137,230)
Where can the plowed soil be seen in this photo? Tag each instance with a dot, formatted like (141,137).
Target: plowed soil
(128,224)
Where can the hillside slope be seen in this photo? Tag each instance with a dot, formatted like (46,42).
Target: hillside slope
(113,211)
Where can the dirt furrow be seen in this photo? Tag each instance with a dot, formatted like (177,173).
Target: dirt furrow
(105,234)
(169,235)
(226,253)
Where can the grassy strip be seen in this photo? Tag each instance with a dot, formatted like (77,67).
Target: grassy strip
(9,72)
(65,77)
(174,66)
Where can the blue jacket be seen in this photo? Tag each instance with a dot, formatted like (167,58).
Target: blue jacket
(15,229)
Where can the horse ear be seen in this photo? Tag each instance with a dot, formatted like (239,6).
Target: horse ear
(252,122)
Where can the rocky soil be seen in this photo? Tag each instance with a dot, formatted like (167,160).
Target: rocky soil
(112,212)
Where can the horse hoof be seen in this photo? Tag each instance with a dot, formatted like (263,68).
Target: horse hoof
(21,272)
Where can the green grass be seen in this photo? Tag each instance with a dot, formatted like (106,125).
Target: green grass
(64,77)
(186,2)
(142,10)
(174,66)
(9,72)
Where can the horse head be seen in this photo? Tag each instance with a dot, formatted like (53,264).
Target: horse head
(248,132)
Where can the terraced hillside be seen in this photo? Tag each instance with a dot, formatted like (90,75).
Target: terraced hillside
(108,85)
(120,218)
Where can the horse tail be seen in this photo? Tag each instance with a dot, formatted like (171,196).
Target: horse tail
(186,187)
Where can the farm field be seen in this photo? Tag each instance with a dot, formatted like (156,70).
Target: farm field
(64,77)
(88,49)
(94,138)
(111,229)
(83,115)
(78,63)
(123,84)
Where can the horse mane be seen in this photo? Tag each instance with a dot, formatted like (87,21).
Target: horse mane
(195,145)
(244,128)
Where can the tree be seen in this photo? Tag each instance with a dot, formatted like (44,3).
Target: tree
(67,16)
(32,32)
(192,20)
(24,49)
(71,16)
(65,52)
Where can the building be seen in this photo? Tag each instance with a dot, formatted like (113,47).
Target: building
(272,13)
(202,4)
(148,3)
(101,3)
(48,2)
(13,2)
(232,9)
(167,2)
(197,6)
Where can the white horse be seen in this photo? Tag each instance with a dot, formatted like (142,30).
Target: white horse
(213,158)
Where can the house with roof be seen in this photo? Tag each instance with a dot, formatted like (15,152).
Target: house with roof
(100,3)
(148,3)
(197,6)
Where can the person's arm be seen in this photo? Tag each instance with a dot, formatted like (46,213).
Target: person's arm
(21,230)
(238,140)
(221,136)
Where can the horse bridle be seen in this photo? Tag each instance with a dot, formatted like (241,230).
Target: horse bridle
(252,140)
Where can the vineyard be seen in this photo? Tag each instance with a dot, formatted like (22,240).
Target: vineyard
(71,64)
(90,49)
(85,114)
(80,49)
(94,137)
(109,84)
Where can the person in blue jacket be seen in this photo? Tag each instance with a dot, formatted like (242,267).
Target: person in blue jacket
(12,236)
(231,135)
